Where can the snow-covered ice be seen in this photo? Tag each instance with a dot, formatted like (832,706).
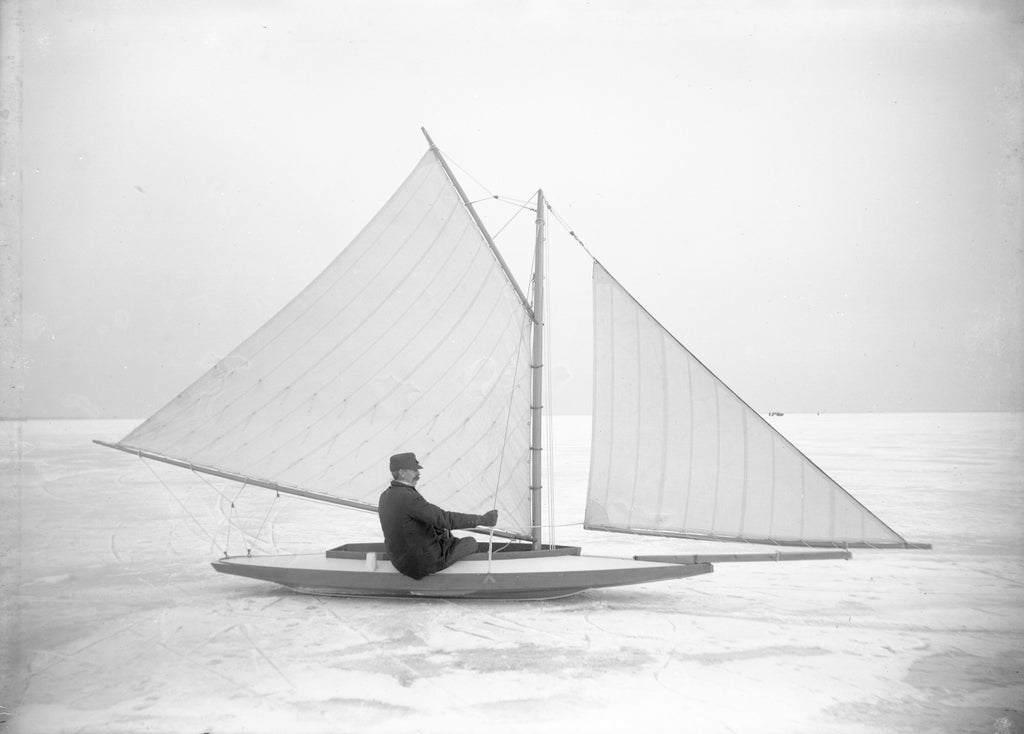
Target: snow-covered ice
(114,621)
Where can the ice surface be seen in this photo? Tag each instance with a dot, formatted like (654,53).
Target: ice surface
(114,621)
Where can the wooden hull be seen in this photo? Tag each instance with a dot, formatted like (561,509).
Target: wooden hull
(523,576)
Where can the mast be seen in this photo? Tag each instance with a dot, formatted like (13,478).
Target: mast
(538,373)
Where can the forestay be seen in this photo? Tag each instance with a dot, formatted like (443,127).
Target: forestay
(675,452)
(412,339)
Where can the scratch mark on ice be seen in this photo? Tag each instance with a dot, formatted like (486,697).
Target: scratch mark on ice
(245,633)
(113,550)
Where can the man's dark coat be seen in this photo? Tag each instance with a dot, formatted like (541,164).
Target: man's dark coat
(416,532)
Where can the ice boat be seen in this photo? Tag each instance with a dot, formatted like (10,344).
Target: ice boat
(316,400)
(518,571)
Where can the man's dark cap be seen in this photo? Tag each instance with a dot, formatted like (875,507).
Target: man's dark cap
(404,461)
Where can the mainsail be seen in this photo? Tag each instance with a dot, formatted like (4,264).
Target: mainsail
(675,452)
(413,339)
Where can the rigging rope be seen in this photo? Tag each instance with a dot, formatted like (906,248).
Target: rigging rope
(455,163)
(571,233)
(520,210)
(232,509)
(183,507)
(277,496)
(227,541)
(502,199)
(248,541)
(521,203)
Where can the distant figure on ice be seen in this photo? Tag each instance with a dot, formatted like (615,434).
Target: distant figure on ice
(417,534)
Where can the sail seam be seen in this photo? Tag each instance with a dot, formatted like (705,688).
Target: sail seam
(482,363)
(479,477)
(267,373)
(778,436)
(185,405)
(340,372)
(832,512)
(368,411)
(338,345)
(771,510)
(473,333)
(718,458)
(746,472)
(639,419)
(664,422)
(689,463)
(595,398)
(613,401)
(803,499)
(483,329)
(883,528)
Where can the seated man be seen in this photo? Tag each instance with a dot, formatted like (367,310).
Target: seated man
(417,533)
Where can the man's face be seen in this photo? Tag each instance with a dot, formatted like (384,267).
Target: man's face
(411,476)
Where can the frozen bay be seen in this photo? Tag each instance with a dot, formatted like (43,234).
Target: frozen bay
(115,622)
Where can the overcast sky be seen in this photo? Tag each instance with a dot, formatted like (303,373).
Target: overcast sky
(823,201)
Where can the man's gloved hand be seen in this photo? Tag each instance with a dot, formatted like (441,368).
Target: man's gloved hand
(490,518)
